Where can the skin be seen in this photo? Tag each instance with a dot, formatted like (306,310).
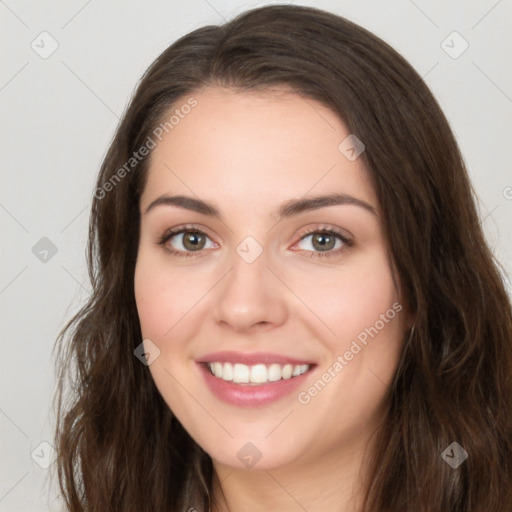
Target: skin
(247,153)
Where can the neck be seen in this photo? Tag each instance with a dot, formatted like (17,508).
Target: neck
(335,481)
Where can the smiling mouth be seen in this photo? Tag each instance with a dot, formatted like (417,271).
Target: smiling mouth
(258,374)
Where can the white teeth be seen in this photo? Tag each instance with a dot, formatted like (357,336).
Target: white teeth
(257,374)
(299,369)
(240,373)
(274,372)
(287,371)
(217,369)
(227,371)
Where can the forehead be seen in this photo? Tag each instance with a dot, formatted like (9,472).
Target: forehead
(259,146)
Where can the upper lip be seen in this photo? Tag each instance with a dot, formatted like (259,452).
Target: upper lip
(249,359)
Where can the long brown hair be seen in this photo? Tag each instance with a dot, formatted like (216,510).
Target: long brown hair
(119,446)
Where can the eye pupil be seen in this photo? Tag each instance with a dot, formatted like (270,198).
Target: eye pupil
(325,241)
(193,241)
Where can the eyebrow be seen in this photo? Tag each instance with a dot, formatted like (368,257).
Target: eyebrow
(287,209)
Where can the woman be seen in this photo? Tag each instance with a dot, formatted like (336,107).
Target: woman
(294,306)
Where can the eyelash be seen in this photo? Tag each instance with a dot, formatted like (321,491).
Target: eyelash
(314,254)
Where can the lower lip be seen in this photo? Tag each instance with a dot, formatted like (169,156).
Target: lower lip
(245,395)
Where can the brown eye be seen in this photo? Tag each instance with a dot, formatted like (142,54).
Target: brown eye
(186,242)
(323,241)
(193,241)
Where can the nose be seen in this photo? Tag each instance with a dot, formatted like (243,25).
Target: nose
(250,298)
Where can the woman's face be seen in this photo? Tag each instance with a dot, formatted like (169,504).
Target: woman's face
(270,279)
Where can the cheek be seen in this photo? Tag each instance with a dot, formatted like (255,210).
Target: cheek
(368,321)
(368,295)
(152,301)
(350,298)
(163,295)
(365,320)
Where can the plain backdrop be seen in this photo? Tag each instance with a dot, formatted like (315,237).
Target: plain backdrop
(59,113)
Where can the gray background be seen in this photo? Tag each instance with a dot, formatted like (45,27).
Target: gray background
(59,114)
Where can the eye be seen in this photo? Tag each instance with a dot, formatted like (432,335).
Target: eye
(190,241)
(324,242)
(185,241)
